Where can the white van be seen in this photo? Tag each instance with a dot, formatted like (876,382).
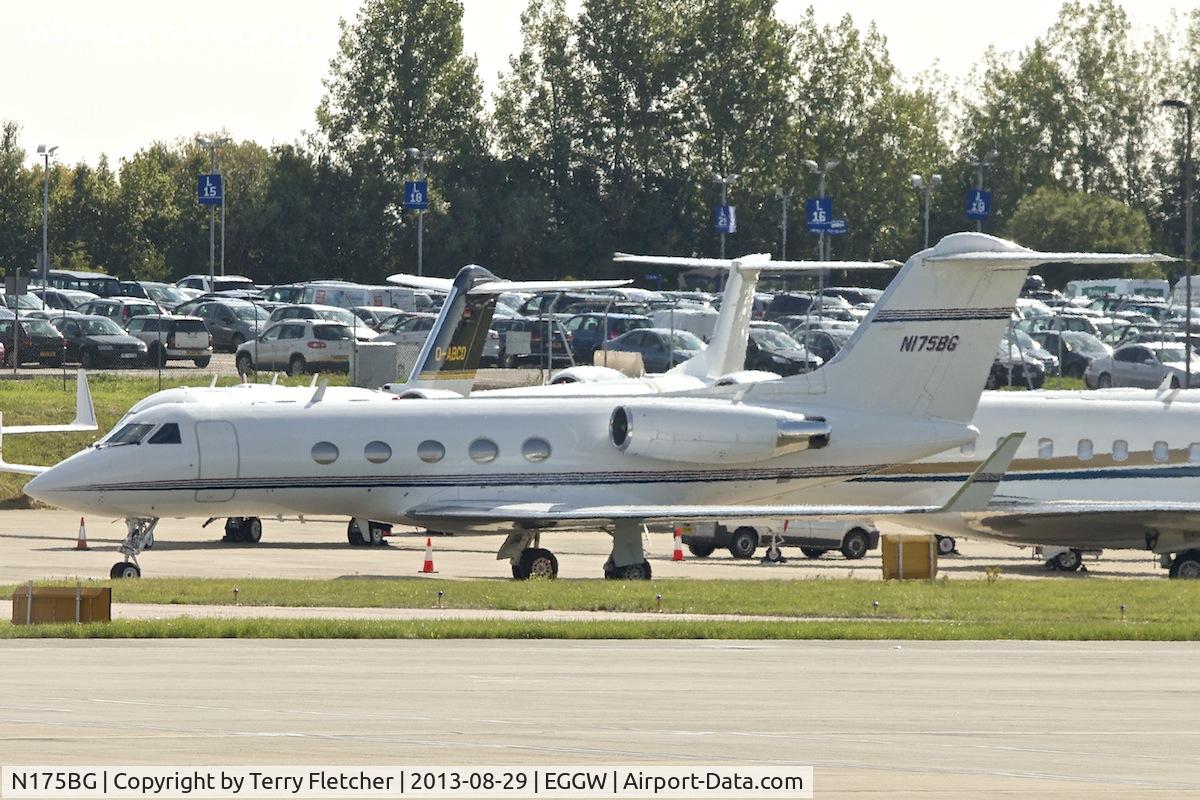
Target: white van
(344,294)
(1120,287)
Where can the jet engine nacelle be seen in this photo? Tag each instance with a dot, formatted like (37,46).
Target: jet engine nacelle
(585,373)
(712,434)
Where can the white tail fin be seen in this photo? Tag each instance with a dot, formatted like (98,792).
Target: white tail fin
(85,412)
(927,345)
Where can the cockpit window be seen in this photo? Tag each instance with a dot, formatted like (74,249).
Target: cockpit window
(167,434)
(132,433)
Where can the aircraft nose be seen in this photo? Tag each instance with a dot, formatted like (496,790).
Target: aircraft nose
(47,487)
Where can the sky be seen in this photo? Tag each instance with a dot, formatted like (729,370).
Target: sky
(113,76)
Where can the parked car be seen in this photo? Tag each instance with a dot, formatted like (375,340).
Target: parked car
(64,299)
(37,340)
(299,346)
(825,344)
(220,283)
(1145,364)
(98,341)
(171,337)
(23,302)
(589,331)
(285,293)
(814,537)
(412,329)
(165,295)
(660,348)
(1074,349)
(230,322)
(119,309)
(314,311)
(373,316)
(1022,344)
(1013,368)
(854,295)
(512,354)
(97,283)
(774,351)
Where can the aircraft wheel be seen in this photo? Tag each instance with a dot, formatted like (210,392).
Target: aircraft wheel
(125,569)
(701,550)
(1186,565)
(233,530)
(375,534)
(743,543)
(354,535)
(536,562)
(251,530)
(854,546)
(774,554)
(631,572)
(946,545)
(813,552)
(1068,561)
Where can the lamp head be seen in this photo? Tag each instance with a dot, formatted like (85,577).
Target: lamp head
(831,164)
(936,179)
(812,165)
(918,182)
(413,152)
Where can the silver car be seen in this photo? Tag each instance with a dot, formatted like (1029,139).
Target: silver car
(1143,364)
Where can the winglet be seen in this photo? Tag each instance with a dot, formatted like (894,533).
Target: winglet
(319,394)
(85,412)
(1165,392)
(976,492)
(213,383)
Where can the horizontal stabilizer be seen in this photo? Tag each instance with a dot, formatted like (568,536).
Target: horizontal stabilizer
(85,414)
(1027,259)
(498,286)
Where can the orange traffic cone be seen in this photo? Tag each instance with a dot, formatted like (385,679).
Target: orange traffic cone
(678,554)
(427,568)
(81,542)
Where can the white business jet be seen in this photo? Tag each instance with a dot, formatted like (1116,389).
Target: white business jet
(525,465)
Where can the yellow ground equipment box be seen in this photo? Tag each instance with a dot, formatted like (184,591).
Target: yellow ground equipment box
(33,605)
(912,555)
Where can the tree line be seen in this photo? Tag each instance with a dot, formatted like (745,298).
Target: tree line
(604,133)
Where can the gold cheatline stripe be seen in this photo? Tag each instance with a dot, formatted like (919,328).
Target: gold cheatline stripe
(1098,461)
(447,375)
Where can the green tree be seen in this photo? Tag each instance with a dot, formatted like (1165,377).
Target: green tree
(20,204)
(1059,219)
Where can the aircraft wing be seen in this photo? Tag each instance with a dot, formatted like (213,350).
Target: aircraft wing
(85,414)
(21,469)
(974,495)
(1025,259)
(426,282)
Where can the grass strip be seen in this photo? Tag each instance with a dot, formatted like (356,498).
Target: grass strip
(1017,602)
(195,628)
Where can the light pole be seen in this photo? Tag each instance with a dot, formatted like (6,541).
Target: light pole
(212,145)
(1187,228)
(820,172)
(724,181)
(420,155)
(926,186)
(784,198)
(980,165)
(46,151)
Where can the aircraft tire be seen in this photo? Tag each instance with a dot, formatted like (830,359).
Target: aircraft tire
(537,562)
(125,569)
(946,545)
(632,572)
(1186,565)
(251,530)
(774,554)
(233,530)
(354,535)
(375,534)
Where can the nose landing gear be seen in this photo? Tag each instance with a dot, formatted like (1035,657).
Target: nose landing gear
(139,534)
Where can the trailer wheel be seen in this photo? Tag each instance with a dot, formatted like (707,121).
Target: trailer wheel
(701,550)
(743,543)
(813,552)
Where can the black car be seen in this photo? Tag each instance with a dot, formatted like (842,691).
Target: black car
(98,341)
(1075,349)
(772,351)
(37,340)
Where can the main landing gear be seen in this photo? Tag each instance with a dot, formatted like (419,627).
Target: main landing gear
(627,562)
(247,530)
(528,558)
(139,534)
(361,532)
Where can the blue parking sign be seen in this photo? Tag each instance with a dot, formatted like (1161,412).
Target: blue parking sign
(416,195)
(725,219)
(979,203)
(818,214)
(209,190)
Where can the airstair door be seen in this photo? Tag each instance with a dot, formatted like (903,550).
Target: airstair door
(219,462)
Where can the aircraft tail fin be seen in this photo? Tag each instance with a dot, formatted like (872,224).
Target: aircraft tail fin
(926,347)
